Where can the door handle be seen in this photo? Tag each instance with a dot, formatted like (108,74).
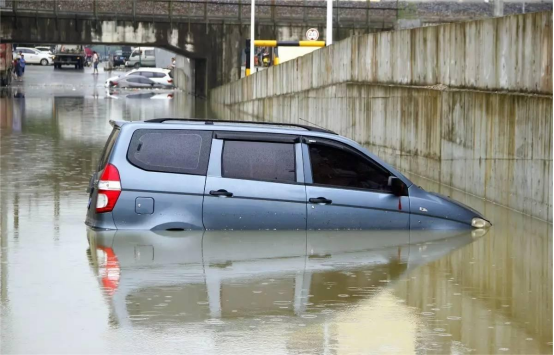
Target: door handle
(221,192)
(322,200)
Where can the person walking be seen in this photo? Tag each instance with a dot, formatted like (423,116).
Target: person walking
(22,63)
(17,69)
(95,61)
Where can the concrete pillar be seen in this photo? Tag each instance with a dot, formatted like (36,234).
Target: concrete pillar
(201,77)
(183,74)
(498,8)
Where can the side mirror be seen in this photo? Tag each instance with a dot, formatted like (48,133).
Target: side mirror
(397,186)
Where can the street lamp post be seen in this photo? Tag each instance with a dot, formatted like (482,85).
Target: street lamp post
(252,26)
(329,34)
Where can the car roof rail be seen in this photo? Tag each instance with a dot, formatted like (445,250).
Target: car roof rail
(211,122)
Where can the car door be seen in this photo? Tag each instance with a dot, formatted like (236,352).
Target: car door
(255,182)
(345,189)
(30,56)
(160,78)
(147,82)
(134,57)
(147,74)
(133,81)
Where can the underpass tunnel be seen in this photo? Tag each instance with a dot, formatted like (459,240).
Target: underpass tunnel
(190,70)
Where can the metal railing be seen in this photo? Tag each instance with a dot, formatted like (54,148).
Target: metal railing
(345,11)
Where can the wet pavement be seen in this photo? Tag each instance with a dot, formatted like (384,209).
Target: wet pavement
(68,290)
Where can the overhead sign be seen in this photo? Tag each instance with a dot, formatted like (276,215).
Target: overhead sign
(312,34)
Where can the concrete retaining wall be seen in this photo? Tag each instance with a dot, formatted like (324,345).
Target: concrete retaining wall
(468,105)
(183,74)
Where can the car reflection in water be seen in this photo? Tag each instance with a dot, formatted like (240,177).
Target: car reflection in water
(168,277)
(140,94)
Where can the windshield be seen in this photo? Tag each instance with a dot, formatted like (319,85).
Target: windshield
(69,48)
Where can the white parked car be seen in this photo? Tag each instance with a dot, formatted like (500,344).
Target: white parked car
(34,56)
(158,75)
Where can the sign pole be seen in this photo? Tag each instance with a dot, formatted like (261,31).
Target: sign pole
(252,27)
(329,34)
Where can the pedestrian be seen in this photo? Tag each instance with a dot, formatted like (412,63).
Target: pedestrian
(95,61)
(17,69)
(22,63)
(14,64)
(172,66)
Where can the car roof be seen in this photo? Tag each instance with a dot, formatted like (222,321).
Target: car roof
(268,126)
(161,70)
(254,127)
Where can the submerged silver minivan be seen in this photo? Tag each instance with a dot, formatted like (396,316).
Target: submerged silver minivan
(184,174)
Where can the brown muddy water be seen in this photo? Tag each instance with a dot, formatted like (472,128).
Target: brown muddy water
(68,290)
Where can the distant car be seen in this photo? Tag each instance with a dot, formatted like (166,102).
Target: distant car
(138,82)
(34,56)
(142,57)
(184,174)
(119,58)
(158,75)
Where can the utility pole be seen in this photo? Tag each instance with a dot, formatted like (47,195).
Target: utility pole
(329,33)
(252,27)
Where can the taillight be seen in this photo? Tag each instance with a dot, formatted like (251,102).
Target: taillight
(114,83)
(170,80)
(109,189)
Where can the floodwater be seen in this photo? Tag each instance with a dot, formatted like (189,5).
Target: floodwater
(68,290)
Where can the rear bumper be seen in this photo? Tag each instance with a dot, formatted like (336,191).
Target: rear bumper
(100,221)
(68,60)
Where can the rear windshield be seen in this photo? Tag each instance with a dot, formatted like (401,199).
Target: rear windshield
(171,151)
(69,48)
(108,149)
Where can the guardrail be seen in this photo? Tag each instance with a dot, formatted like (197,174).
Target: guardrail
(345,11)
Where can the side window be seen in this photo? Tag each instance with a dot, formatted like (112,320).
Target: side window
(147,74)
(338,167)
(159,75)
(171,151)
(264,161)
(135,73)
(108,149)
(149,53)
